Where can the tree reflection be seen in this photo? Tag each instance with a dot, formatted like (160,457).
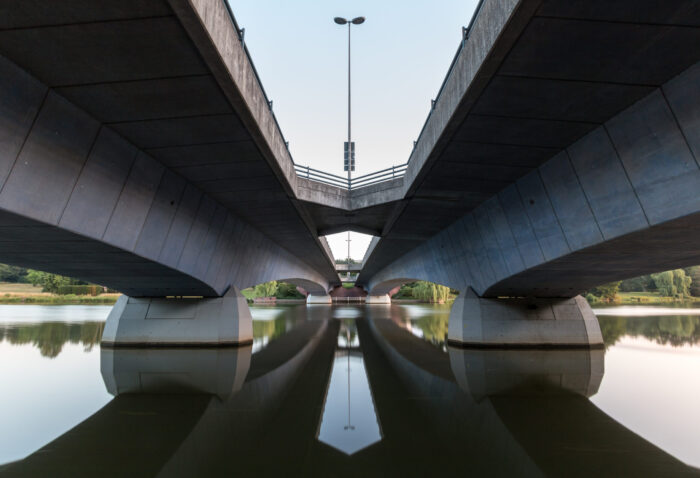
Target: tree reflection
(674,330)
(434,328)
(49,337)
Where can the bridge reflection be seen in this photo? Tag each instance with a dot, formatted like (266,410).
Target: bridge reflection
(225,412)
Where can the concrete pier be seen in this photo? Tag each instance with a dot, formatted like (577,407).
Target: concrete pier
(378,299)
(319,299)
(480,322)
(162,322)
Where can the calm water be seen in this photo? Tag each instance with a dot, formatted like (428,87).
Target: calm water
(348,391)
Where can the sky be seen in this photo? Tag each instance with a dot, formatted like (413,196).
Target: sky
(400,56)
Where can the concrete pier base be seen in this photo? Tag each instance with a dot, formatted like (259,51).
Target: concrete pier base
(378,299)
(217,371)
(319,299)
(555,323)
(161,322)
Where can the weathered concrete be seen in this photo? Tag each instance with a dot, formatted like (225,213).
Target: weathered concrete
(319,299)
(475,321)
(219,371)
(541,175)
(544,169)
(378,299)
(177,322)
(146,172)
(619,202)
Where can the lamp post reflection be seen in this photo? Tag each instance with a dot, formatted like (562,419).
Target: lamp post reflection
(349,421)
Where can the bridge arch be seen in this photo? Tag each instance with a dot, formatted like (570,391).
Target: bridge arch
(311,287)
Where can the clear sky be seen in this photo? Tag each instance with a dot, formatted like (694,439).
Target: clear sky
(400,56)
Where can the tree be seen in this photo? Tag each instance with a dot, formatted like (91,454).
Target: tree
(430,292)
(637,284)
(694,274)
(673,283)
(606,291)
(48,282)
(12,273)
(266,289)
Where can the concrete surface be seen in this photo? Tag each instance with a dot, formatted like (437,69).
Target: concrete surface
(475,321)
(138,151)
(221,321)
(319,299)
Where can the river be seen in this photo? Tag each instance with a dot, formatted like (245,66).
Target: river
(348,391)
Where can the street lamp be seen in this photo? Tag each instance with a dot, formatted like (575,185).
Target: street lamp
(349,150)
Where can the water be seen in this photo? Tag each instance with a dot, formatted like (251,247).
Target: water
(348,391)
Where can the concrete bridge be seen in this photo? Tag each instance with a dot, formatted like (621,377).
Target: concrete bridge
(138,150)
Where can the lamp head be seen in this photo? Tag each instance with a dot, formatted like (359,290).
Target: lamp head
(340,20)
(358,20)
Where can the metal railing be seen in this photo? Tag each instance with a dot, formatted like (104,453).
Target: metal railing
(353,183)
(466,32)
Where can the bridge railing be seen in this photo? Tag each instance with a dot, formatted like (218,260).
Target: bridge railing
(241,38)
(466,32)
(365,180)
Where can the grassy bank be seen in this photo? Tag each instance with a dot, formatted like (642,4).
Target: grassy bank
(28,294)
(644,298)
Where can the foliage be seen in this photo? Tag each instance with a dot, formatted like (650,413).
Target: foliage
(266,289)
(675,330)
(430,292)
(694,274)
(345,261)
(49,337)
(638,284)
(405,292)
(673,283)
(92,290)
(434,328)
(48,282)
(606,291)
(59,299)
(12,273)
(287,291)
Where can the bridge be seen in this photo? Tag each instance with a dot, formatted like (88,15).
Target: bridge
(140,151)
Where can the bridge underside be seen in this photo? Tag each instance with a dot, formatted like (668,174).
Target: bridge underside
(135,153)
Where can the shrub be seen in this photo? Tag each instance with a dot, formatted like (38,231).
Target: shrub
(92,290)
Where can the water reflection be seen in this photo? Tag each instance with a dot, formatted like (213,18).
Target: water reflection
(289,408)
(349,421)
(214,371)
(49,337)
(674,330)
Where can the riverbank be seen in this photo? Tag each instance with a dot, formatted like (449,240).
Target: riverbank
(11,293)
(645,298)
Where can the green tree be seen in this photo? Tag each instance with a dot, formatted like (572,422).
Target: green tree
(48,282)
(694,274)
(606,291)
(430,292)
(673,283)
(637,284)
(266,289)
(12,273)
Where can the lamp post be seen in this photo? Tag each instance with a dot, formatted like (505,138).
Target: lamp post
(349,146)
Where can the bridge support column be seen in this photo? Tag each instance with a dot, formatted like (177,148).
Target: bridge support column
(560,323)
(378,299)
(319,299)
(161,322)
